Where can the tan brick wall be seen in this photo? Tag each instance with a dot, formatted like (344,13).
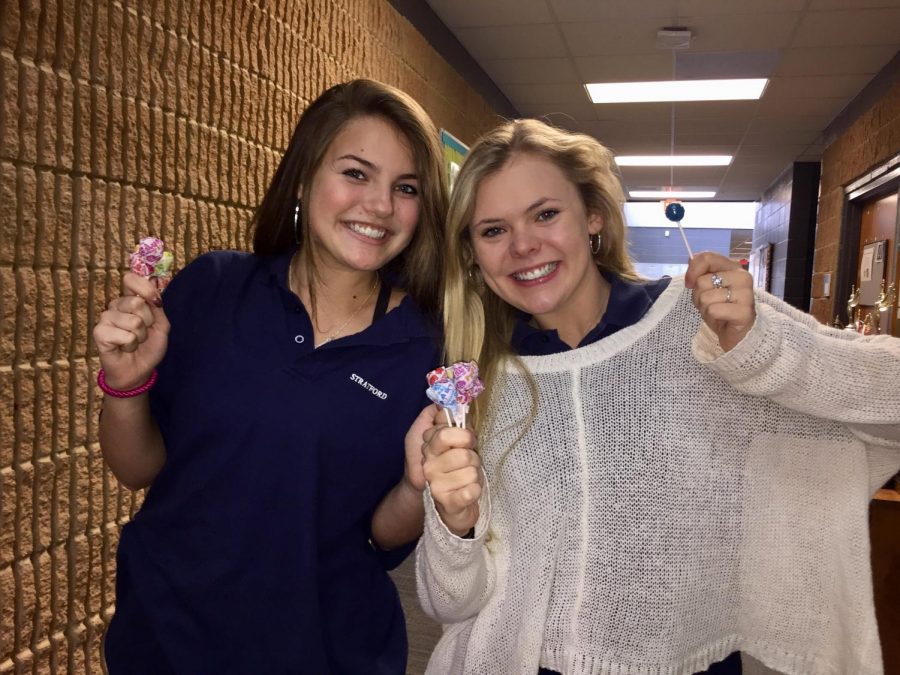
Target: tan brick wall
(871,139)
(117,120)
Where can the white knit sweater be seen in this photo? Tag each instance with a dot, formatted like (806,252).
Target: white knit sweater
(672,504)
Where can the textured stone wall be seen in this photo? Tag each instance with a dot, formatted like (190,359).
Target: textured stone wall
(119,119)
(873,138)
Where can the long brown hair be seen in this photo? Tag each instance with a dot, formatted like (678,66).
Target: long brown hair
(415,269)
(478,324)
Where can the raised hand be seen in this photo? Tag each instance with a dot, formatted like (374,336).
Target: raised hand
(453,471)
(132,334)
(723,292)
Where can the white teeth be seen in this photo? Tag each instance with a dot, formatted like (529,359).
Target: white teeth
(536,273)
(368,231)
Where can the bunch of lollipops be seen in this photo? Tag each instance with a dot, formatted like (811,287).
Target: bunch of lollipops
(453,388)
(151,260)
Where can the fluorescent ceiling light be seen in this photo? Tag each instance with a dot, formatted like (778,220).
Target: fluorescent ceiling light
(671,194)
(673,160)
(676,90)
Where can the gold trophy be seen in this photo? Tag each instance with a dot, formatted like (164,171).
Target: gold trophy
(852,302)
(886,302)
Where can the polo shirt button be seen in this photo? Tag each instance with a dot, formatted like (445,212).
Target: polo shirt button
(299,339)
(297,310)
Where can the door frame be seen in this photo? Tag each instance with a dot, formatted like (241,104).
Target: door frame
(875,184)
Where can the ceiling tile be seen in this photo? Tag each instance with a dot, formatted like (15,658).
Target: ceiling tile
(531,71)
(819,54)
(656,65)
(723,124)
(546,93)
(828,107)
(818,86)
(794,137)
(611,37)
(631,144)
(790,123)
(699,175)
(854,27)
(664,11)
(633,112)
(713,65)
(852,4)
(512,42)
(749,154)
(555,111)
(806,61)
(704,149)
(721,138)
(644,175)
(747,32)
(719,7)
(578,11)
(626,129)
(468,13)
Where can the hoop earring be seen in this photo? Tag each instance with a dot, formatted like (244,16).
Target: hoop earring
(297,223)
(594,243)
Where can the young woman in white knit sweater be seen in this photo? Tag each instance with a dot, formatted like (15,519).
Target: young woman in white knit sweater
(666,472)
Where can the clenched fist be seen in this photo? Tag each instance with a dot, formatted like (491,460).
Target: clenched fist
(453,471)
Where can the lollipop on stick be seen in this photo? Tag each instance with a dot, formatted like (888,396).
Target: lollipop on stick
(453,388)
(151,261)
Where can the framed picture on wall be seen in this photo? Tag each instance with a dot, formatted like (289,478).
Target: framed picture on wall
(871,272)
(454,153)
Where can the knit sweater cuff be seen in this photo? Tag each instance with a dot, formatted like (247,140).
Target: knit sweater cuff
(748,358)
(458,549)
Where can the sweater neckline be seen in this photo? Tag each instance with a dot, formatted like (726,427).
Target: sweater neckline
(608,346)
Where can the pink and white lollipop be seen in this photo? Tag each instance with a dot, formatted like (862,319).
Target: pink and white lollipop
(453,388)
(151,261)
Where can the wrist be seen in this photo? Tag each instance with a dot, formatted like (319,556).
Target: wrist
(412,490)
(459,524)
(138,390)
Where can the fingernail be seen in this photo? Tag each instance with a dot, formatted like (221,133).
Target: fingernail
(157,300)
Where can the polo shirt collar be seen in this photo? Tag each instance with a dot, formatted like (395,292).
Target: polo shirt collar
(402,324)
(628,302)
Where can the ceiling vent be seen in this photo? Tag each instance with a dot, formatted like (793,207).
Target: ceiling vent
(673,37)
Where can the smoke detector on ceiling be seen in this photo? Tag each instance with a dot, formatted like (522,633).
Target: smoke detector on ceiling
(673,37)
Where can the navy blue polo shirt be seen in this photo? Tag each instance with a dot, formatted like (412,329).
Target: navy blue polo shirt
(628,302)
(250,553)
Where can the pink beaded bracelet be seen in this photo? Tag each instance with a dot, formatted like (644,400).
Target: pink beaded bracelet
(118,393)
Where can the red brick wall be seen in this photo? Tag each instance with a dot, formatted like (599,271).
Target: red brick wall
(117,120)
(871,139)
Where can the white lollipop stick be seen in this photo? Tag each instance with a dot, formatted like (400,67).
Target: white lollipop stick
(684,239)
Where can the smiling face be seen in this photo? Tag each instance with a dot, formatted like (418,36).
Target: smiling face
(364,198)
(529,235)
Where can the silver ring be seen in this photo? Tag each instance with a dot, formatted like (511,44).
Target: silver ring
(728,294)
(717,281)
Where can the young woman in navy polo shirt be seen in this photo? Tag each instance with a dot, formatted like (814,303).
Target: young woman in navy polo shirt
(273,438)
(667,472)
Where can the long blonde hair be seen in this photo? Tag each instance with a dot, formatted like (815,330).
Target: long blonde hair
(478,324)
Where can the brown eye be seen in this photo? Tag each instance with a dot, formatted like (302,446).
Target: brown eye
(548,214)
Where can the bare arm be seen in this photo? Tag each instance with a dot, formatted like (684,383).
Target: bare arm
(398,518)
(130,440)
(131,337)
